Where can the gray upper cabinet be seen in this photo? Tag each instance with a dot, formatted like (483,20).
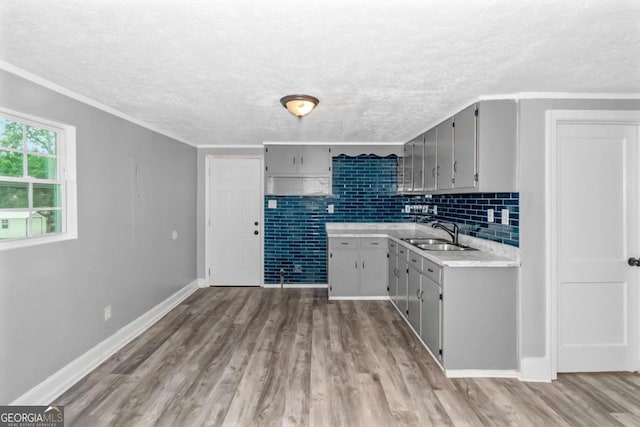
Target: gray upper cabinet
(418,163)
(314,160)
(430,152)
(474,151)
(464,148)
(282,160)
(297,170)
(444,143)
(407,176)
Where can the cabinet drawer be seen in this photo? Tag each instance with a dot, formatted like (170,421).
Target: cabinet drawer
(373,243)
(344,243)
(402,253)
(431,270)
(392,247)
(415,261)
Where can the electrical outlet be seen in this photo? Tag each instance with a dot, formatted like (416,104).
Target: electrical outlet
(330,209)
(107,313)
(297,268)
(435,209)
(490,215)
(505,216)
(272,204)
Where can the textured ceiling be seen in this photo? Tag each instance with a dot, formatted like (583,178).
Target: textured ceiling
(212,72)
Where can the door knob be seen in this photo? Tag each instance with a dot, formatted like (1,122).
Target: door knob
(634,262)
(256,232)
(255,223)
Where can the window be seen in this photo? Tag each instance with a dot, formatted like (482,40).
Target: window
(37,181)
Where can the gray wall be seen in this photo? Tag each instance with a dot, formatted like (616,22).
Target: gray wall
(532,211)
(52,296)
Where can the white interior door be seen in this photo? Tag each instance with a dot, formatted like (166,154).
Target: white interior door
(597,232)
(235,227)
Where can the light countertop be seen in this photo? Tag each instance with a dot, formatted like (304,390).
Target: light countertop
(489,254)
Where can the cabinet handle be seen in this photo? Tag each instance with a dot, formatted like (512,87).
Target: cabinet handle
(362,264)
(421,295)
(344,243)
(356,265)
(433,172)
(375,243)
(438,170)
(430,270)
(301,160)
(455,166)
(418,294)
(294,160)
(413,260)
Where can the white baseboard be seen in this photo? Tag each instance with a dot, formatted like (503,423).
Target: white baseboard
(359,298)
(62,380)
(535,369)
(202,283)
(298,285)
(481,373)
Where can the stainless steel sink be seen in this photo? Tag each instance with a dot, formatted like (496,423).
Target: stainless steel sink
(444,247)
(424,241)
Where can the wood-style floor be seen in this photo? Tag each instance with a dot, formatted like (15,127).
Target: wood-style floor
(246,357)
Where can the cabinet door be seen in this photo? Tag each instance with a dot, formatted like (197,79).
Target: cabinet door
(414,299)
(373,272)
(281,160)
(407,176)
(343,273)
(431,307)
(418,163)
(392,270)
(403,280)
(464,148)
(444,169)
(430,150)
(314,160)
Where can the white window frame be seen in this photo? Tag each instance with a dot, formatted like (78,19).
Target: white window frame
(66,158)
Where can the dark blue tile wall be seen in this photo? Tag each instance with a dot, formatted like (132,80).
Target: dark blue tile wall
(365,190)
(469,211)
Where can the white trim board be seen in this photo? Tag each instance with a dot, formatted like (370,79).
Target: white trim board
(297,285)
(359,298)
(84,99)
(331,143)
(65,378)
(227,146)
(481,373)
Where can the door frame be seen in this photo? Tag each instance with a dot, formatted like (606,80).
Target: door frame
(207,213)
(553,119)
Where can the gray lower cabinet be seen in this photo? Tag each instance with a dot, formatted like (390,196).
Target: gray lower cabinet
(413,296)
(431,310)
(357,267)
(392,267)
(403,281)
(466,316)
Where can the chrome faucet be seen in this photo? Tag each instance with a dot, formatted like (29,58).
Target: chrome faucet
(452,232)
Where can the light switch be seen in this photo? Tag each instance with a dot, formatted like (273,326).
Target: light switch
(505,216)
(330,209)
(490,215)
(272,204)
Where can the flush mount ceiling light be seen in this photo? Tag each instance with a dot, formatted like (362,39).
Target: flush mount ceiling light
(299,105)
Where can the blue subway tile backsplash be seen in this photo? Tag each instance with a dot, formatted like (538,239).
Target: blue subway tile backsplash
(365,190)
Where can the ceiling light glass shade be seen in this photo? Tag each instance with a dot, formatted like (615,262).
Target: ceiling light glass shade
(299,105)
